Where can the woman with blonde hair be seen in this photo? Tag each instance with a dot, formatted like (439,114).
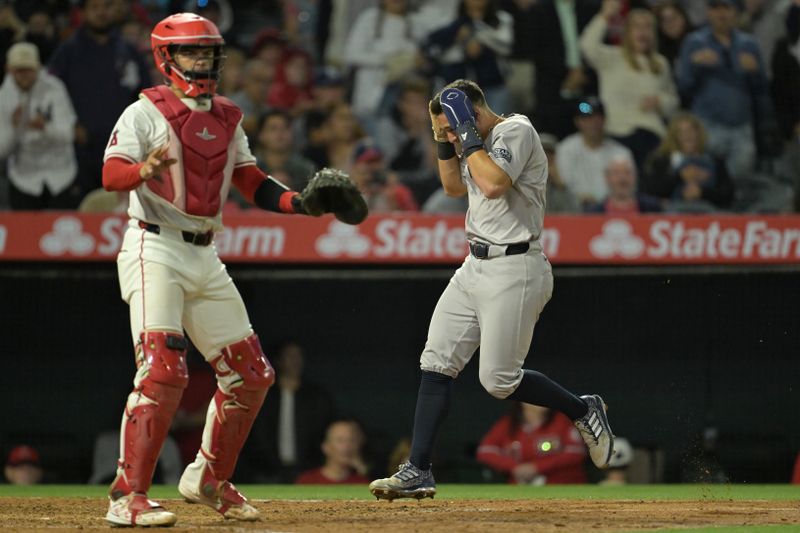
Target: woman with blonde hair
(636,84)
(682,171)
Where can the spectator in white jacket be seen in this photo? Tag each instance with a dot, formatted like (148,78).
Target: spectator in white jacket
(37,124)
(636,84)
(382,48)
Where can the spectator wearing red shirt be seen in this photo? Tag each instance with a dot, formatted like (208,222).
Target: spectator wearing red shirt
(796,474)
(534,445)
(343,461)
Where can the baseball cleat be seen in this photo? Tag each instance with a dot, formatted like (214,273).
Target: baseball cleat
(408,482)
(596,431)
(225,499)
(136,510)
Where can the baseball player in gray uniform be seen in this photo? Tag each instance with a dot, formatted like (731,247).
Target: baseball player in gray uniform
(495,297)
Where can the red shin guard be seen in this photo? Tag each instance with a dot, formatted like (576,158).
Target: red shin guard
(159,385)
(237,402)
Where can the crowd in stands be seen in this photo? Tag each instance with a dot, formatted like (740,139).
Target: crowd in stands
(701,97)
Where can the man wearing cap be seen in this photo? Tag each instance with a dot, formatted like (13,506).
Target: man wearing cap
(381,189)
(36,133)
(328,88)
(23,466)
(582,157)
(722,74)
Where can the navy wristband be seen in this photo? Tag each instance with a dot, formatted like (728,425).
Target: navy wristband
(445,150)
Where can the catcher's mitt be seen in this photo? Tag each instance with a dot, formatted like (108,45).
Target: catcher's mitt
(332,191)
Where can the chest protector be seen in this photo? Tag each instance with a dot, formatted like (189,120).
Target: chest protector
(203,143)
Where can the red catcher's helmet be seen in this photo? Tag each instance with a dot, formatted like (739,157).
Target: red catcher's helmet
(184,31)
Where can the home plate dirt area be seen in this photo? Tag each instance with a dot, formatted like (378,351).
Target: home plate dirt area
(54,514)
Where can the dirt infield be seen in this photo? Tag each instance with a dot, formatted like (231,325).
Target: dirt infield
(427,516)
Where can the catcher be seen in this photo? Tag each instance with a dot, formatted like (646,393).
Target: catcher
(178,150)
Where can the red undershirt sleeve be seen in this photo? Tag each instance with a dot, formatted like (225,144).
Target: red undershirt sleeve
(121,175)
(247,179)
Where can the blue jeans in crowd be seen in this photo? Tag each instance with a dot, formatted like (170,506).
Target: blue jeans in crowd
(734,144)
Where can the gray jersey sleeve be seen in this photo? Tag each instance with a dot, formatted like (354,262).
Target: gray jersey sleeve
(512,145)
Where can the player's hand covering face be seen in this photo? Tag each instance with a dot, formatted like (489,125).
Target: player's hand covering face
(439,134)
(447,131)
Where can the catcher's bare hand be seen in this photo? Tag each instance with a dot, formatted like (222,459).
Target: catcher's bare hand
(157,162)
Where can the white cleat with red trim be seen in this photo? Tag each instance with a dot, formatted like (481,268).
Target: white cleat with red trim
(223,498)
(136,510)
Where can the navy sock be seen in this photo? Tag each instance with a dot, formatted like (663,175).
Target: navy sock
(536,388)
(433,403)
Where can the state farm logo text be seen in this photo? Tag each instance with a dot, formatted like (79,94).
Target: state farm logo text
(402,239)
(251,241)
(673,239)
(393,238)
(669,239)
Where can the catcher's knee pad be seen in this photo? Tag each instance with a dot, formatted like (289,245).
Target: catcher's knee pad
(164,356)
(160,380)
(243,365)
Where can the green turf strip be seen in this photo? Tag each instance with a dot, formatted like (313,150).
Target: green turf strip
(734,529)
(455,492)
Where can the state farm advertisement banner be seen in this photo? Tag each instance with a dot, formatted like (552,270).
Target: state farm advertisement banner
(423,239)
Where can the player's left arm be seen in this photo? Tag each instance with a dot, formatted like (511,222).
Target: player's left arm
(492,180)
(329,191)
(496,171)
(265,191)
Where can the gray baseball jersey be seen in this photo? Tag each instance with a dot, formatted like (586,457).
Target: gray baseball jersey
(494,303)
(518,215)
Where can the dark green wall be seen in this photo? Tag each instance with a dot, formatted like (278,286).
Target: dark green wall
(669,353)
